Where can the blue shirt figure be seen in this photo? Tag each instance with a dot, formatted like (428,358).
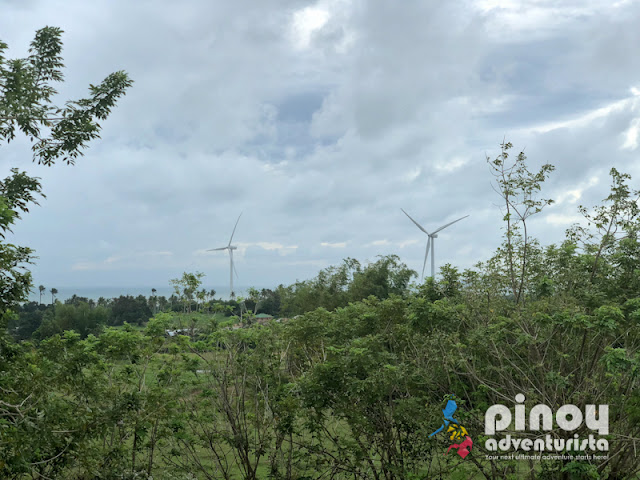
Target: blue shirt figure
(448,412)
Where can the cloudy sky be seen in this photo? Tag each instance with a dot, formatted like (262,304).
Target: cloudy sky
(319,121)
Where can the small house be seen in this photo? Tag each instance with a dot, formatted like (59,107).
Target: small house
(263,318)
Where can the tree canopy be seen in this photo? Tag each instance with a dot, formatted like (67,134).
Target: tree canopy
(56,132)
(29,417)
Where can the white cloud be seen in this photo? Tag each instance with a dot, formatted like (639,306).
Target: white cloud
(537,18)
(80,266)
(378,243)
(143,259)
(315,263)
(573,195)
(631,135)
(334,245)
(562,219)
(407,243)
(583,120)
(451,165)
(105,245)
(274,246)
(243,246)
(113,259)
(163,253)
(413,174)
(305,22)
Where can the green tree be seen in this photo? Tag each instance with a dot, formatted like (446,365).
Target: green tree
(610,224)
(185,287)
(130,310)
(163,303)
(201,295)
(518,188)
(76,300)
(387,276)
(29,443)
(338,285)
(243,415)
(42,289)
(77,316)
(16,192)
(26,104)
(263,301)
(28,319)
(26,92)
(153,301)
(54,292)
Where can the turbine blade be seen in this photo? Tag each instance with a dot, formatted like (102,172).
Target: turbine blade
(234,228)
(445,226)
(214,249)
(426,254)
(417,224)
(234,269)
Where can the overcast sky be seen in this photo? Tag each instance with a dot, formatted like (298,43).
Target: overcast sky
(319,121)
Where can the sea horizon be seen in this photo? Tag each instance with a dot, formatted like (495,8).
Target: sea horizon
(95,292)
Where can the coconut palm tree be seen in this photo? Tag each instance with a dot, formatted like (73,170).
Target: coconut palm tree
(200,295)
(42,290)
(154,300)
(54,292)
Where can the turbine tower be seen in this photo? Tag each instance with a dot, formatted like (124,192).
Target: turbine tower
(232,267)
(432,236)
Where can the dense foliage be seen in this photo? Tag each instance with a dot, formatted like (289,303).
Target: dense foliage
(337,286)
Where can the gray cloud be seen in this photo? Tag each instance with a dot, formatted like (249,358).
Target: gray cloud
(320,121)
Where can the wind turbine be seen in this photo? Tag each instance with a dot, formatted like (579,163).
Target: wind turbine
(232,267)
(432,236)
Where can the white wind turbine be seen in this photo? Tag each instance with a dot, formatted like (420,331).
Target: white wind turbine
(432,236)
(232,267)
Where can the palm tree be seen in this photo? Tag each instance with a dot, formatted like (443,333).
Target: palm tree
(42,290)
(200,295)
(153,294)
(54,292)
(211,295)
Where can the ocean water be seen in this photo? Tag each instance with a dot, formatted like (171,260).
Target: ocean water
(95,293)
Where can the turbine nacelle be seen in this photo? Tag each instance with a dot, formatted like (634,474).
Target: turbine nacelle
(431,241)
(232,267)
